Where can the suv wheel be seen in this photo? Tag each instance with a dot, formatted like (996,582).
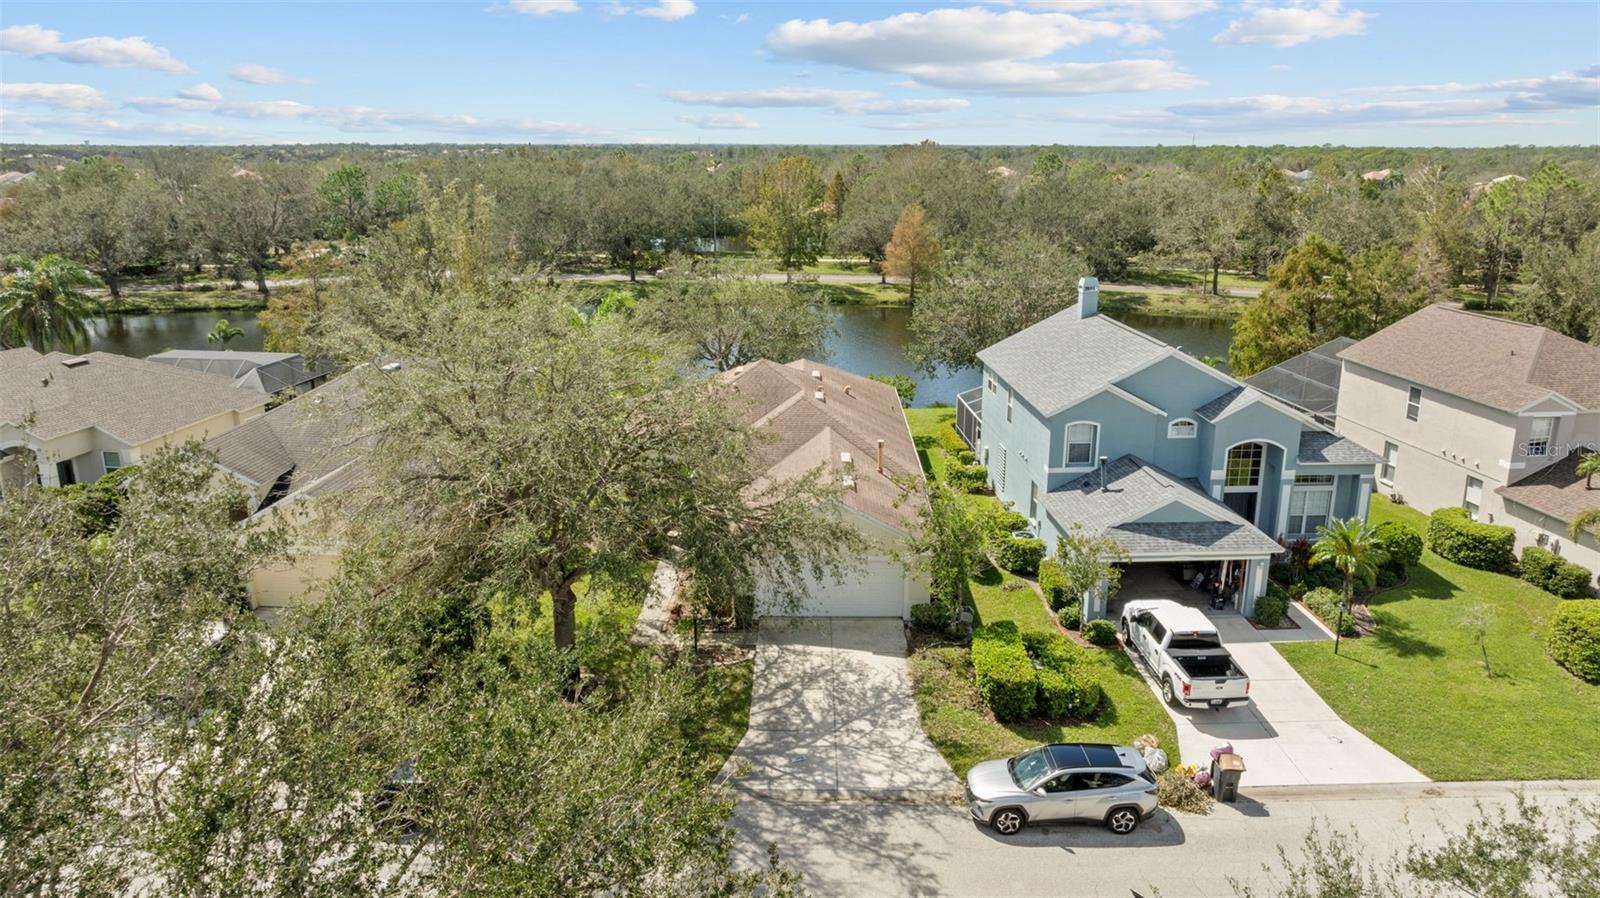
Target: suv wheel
(1008,821)
(1122,820)
(1167,694)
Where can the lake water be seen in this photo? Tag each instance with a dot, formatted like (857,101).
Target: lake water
(865,340)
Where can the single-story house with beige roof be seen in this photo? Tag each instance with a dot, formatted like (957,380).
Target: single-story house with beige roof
(855,429)
(72,418)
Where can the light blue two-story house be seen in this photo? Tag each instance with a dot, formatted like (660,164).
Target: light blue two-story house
(1084,421)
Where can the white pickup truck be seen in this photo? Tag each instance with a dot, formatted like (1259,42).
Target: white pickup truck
(1181,647)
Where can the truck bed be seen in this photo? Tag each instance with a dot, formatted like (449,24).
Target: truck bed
(1206,664)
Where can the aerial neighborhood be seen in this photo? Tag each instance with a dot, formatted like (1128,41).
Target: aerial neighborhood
(677,477)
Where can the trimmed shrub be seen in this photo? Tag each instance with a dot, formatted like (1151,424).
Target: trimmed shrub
(1324,603)
(967,478)
(950,439)
(1020,556)
(1100,632)
(1403,544)
(1070,615)
(1574,640)
(1003,522)
(1283,572)
(1389,575)
(966,457)
(1003,672)
(1456,537)
(933,617)
(1271,607)
(1068,685)
(1053,583)
(1323,576)
(1554,574)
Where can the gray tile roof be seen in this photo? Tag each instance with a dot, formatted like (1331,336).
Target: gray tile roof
(1318,447)
(1501,363)
(1065,359)
(131,399)
(1134,488)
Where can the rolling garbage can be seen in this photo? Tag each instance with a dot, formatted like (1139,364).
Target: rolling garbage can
(1226,771)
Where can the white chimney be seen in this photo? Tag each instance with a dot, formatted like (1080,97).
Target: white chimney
(1088,297)
(818,395)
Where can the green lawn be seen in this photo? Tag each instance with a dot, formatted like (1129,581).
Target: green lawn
(866,294)
(1182,277)
(146,301)
(952,713)
(1175,305)
(1419,689)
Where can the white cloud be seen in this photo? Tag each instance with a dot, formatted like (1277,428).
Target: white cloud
(1057,79)
(721,121)
(162,104)
(773,96)
(250,73)
(56,96)
(911,107)
(544,7)
(201,91)
(670,10)
(107,52)
(1563,90)
(1162,10)
(266,109)
(1297,23)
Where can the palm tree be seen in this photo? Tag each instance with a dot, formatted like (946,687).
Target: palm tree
(1588,466)
(1588,519)
(1354,548)
(222,332)
(41,304)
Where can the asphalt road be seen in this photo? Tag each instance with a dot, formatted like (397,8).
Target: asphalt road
(864,849)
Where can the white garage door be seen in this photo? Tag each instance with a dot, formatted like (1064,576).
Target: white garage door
(875,590)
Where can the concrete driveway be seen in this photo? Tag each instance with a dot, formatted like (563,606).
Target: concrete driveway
(832,716)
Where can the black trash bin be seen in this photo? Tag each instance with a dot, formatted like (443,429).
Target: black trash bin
(1226,771)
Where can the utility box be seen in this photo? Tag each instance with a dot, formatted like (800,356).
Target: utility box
(1226,771)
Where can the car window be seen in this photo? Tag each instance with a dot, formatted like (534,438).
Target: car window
(1029,766)
(1196,641)
(1059,784)
(1103,780)
(1158,631)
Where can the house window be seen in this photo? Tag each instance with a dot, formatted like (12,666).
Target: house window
(66,473)
(1010,394)
(989,381)
(1474,497)
(1241,479)
(1391,456)
(1309,509)
(1033,501)
(1313,480)
(1539,435)
(112,460)
(1081,439)
(1414,404)
(1181,429)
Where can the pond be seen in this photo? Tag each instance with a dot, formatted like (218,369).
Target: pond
(865,339)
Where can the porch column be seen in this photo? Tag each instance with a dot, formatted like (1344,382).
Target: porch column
(1255,585)
(1286,486)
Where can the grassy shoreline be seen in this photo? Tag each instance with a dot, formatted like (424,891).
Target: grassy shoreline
(149,302)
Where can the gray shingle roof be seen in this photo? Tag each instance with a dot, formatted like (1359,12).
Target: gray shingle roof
(1227,402)
(306,439)
(269,372)
(1064,359)
(1135,488)
(1318,447)
(131,399)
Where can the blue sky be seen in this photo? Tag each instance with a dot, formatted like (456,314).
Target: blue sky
(676,71)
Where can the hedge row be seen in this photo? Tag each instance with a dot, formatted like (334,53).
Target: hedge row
(1020,556)
(1402,544)
(1554,574)
(1456,537)
(950,439)
(1574,640)
(1019,674)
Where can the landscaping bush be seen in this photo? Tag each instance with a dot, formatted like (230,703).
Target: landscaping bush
(1283,572)
(933,617)
(1271,607)
(1554,574)
(1053,583)
(1003,522)
(967,478)
(1070,615)
(1324,603)
(1020,556)
(1574,640)
(950,439)
(1068,685)
(1323,576)
(1003,671)
(1458,538)
(966,457)
(1402,544)
(1389,576)
(1100,632)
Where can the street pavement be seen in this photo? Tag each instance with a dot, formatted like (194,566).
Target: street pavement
(856,849)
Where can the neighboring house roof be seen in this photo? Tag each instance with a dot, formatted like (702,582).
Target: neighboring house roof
(269,372)
(1133,488)
(1555,490)
(1309,381)
(854,413)
(131,399)
(1503,364)
(1065,359)
(303,447)
(1318,447)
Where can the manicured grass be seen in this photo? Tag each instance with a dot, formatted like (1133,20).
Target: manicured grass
(725,712)
(1182,277)
(1176,305)
(1418,686)
(866,294)
(147,301)
(954,716)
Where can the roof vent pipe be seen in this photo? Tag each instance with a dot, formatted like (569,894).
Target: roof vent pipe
(816,373)
(880,456)
(1088,297)
(1103,460)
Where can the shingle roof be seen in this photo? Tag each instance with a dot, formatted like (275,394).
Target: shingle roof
(806,432)
(132,399)
(269,372)
(1065,359)
(1556,490)
(1318,447)
(309,438)
(1135,488)
(1236,398)
(1502,364)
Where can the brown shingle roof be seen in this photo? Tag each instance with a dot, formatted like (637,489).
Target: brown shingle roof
(131,399)
(308,438)
(1556,490)
(1500,363)
(808,432)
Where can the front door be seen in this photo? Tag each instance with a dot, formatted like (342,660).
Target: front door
(66,475)
(1244,504)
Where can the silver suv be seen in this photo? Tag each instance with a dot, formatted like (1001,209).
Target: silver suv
(1064,781)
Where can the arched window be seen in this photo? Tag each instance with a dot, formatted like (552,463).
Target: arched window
(1181,429)
(1241,479)
(1083,439)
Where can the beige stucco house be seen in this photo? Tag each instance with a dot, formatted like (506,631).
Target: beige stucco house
(72,418)
(1480,412)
